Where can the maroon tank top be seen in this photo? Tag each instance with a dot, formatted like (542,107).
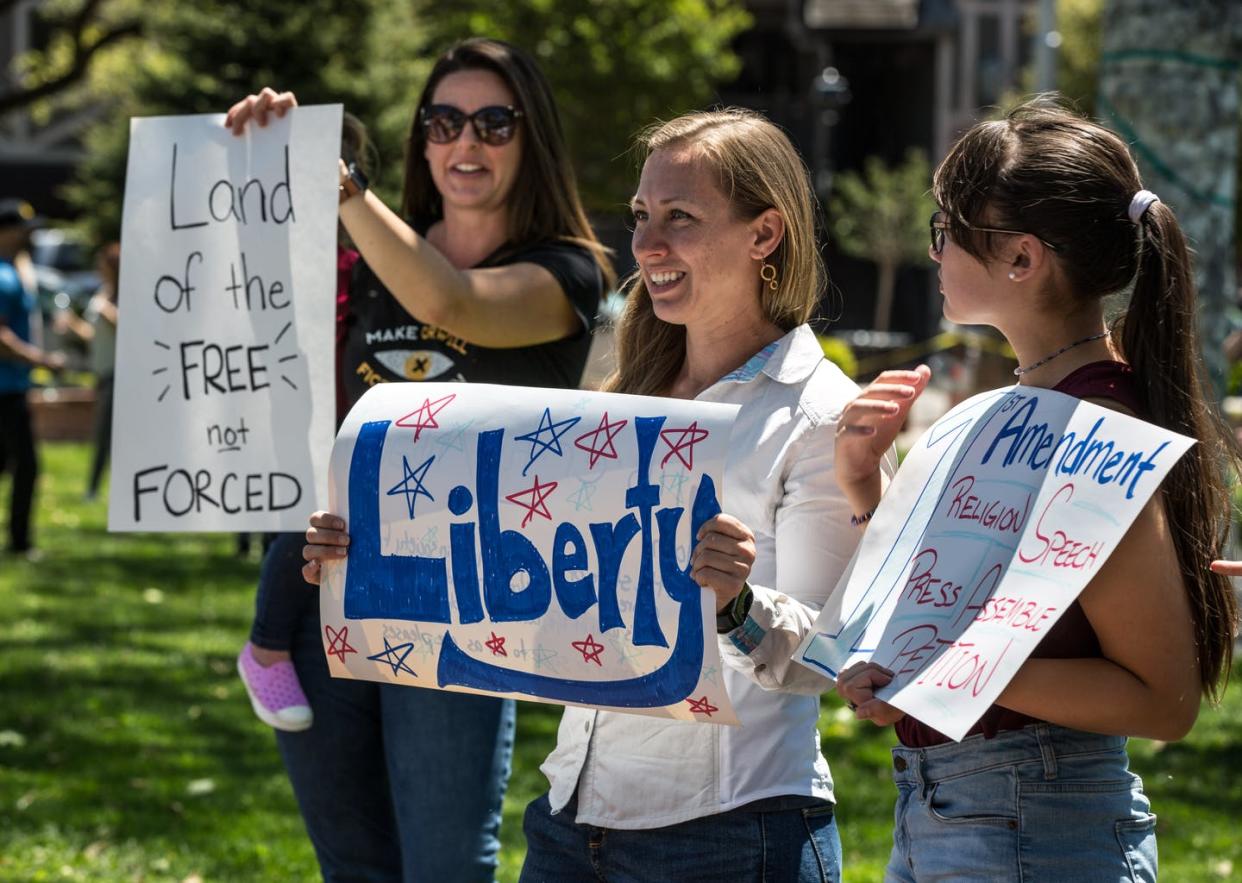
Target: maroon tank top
(1072,636)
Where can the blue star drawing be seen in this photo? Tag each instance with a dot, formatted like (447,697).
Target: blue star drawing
(395,656)
(623,648)
(454,440)
(537,444)
(709,674)
(674,482)
(582,497)
(425,643)
(404,488)
(543,657)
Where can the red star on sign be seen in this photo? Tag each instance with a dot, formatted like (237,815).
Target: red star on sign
(595,447)
(338,642)
(687,438)
(702,706)
(497,645)
(425,416)
(534,503)
(589,649)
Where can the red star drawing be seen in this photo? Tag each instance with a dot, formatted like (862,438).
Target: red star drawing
(687,438)
(425,416)
(338,642)
(595,447)
(589,649)
(496,645)
(702,706)
(534,504)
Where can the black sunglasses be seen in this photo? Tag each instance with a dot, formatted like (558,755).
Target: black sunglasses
(939,228)
(494,125)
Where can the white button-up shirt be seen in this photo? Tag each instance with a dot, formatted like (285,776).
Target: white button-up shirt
(642,772)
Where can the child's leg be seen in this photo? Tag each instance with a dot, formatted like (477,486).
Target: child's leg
(264,663)
(281,596)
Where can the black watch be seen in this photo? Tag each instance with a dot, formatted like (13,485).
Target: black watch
(735,614)
(355,182)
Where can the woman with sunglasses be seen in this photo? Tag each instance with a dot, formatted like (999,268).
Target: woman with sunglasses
(1043,215)
(491,274)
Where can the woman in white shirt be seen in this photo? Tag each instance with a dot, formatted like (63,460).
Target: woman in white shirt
(728,275)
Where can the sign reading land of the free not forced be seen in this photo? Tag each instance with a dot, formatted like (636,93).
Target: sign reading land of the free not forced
(223,418)
(530,543)
(1000,515)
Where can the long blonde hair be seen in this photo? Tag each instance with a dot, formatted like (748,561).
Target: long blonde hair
(758,169)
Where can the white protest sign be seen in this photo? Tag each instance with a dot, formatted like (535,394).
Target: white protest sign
(223,417)
(999,516)
(532,543)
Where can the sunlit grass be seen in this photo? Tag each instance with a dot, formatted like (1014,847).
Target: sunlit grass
(128,751)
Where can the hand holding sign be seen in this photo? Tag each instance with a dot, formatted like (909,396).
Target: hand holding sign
(256,107)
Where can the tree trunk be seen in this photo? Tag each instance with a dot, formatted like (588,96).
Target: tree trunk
(886,284)
(1169,77)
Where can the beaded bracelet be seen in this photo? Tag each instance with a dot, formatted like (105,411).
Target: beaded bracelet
(860,520)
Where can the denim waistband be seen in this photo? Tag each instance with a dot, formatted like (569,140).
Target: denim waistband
(1037,743)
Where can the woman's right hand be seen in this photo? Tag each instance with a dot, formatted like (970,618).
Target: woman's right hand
(867,429)
(326,540)
(257,107)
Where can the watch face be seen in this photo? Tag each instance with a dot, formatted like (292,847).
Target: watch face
(359,179)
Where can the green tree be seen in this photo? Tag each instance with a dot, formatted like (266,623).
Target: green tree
(615,65)
(201,57)
(77,32)
(881,216)
(1078,59)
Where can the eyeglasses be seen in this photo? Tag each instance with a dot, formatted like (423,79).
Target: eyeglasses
(939,228)
(494,125)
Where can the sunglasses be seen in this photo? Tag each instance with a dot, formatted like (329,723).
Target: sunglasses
(939,229)
(494,125)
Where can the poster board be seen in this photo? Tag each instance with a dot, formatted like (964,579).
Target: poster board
(998,517)
(224,398)
(530,543)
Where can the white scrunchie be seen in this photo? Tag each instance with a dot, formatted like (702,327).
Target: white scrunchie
(1140,203)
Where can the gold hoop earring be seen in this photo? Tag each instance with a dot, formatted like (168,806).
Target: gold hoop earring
(767,272)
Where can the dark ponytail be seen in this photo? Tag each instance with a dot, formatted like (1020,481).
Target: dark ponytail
(1159,337)
(1046,170)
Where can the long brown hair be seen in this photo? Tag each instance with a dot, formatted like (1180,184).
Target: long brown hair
(758,169)
(544,204)
(1045,170)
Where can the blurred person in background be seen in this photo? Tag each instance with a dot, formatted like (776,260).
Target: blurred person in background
(98,329)
(17,356)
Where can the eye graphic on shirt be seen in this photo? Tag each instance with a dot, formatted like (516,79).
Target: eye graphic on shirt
(415,364)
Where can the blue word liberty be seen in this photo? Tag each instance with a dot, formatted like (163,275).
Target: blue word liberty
(416,587)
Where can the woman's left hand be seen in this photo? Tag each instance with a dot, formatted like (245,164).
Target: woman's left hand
(723,556)
(857,685)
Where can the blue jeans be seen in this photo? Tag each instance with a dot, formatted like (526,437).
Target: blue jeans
(395,783)
(780,846)
(1041,803)
(283,595)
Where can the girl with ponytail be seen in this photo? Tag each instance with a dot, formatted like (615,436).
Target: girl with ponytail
(1042,216)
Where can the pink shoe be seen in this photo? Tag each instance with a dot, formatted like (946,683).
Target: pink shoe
(275,693)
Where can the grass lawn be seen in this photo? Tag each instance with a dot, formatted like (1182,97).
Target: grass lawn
(128,751)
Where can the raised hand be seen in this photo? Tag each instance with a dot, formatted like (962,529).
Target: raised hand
(257,107)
